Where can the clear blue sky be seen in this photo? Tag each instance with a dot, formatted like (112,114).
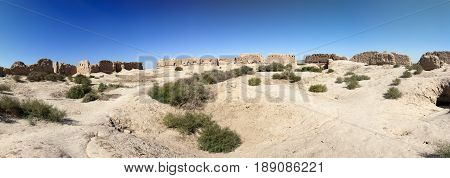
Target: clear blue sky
(73,30)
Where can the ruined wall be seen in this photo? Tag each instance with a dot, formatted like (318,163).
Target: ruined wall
(249,59)
(2,72)
(434,60)
(322,58)
(376,58)
(19,68)
(43,65)
(281,58)
(84,68)
(64,69)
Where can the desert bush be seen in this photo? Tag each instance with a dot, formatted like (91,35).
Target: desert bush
(254,81)
(418,69)
(339,80)
(54,77)
(349,73)
(42,111)
(187,93)
(11,106)
(406,74)
(102,87)
(17,78)
(396,65)
(396,82)
(90,97)
(309,69)
(352,84)
(393,93)
(4,87)
(442,151)
(273,67)
(115,86)
(215,139)
(318,88)
(178,68)
(77,92)
(217,76)
(330,71)
(356,78)
(188,123)
(276,76)
(83,80)
(36,76)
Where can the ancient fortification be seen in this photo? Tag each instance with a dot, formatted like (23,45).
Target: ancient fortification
(377,58)
(434,60)
(48,66)
(239,60)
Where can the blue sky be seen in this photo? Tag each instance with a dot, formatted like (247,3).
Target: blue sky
(73,30)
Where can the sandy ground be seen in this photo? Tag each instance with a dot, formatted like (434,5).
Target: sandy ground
(276,119)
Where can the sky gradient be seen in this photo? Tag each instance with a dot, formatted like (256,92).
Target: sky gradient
(72,30)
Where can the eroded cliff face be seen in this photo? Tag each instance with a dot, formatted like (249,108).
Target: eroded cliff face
(242,59)
(434,60)
(377,58)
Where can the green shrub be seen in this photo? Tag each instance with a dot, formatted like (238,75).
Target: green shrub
(309,69)
(276,76)
(77,92)
(90,97)
(102,87)
(274,67)
(41,111)
(54,77)
(17,78)
(396,65)
(339,80)
(10,106)
(178,68)
(349,73)
(217,76)
(318,88)
(352,84)
(215,139)
(187,93)
(115,86)
(330,71)
(396,82)
(356,78)
(418,69)
(4,87)
(442,151)
(36,76)
(406,74)
(188,123)
(254,81)
(393,93)
(83,80)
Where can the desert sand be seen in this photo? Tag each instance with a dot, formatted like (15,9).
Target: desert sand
(275,119)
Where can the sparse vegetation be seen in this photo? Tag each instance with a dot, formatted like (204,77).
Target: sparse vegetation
(352,84)
(418,71)
(396,65)
(4,87)
(178,68)
(274,67)
(393,93)
(31,109)
(92,96)
(309,69)
(83,80)
(339,80)
(357,78)
(442,151)
(287,75)
(318,88)
(330,71)
(396,82)
(54,77)
(349,73)
(42,76)
(216,139)
(212,138)
(102,87)
(189,123)
(254,82)
(187,93)
(406,74)
(77,92)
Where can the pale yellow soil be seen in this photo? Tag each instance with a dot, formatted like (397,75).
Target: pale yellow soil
(276,119)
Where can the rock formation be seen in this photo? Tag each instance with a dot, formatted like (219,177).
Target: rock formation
(64,69)
(434,60)
(376,58)
(322,59)
(84,68)
(106,67)
(43,65)
(19,68)
(250,59)
(2,72)
(281,58)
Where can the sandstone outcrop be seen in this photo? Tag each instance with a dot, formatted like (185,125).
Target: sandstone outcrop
(19,68)
(434,60)
(43,65)
(377,58)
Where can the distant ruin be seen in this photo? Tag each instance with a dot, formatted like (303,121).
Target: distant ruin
(434,60)
(239,60)
(322,59)
(377,58)
(107,67)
